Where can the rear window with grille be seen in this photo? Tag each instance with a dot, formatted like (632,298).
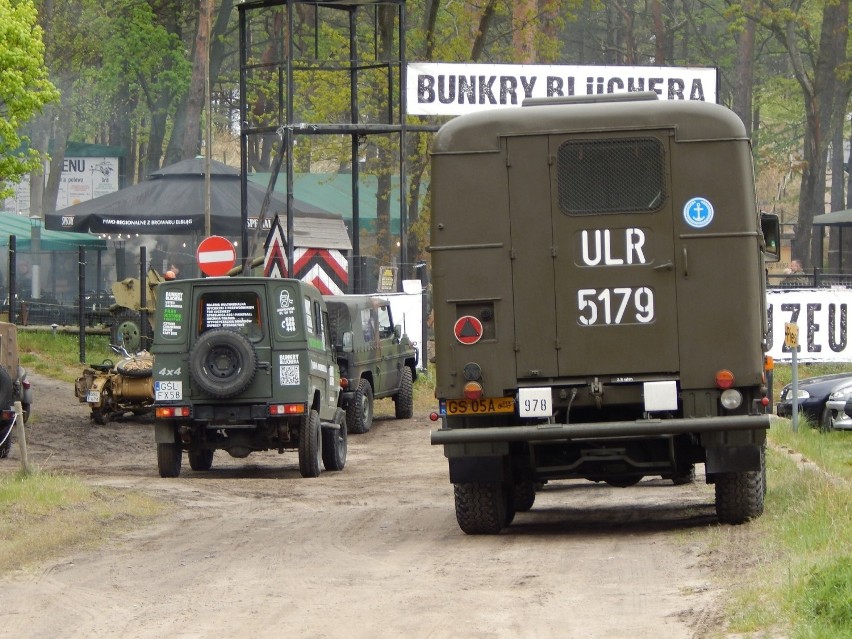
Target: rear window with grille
(611,176)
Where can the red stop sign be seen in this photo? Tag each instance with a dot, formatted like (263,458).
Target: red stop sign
(215,255)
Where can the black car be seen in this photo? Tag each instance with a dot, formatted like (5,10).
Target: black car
(813,395)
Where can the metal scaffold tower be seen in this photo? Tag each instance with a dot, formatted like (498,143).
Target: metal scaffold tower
(320,81)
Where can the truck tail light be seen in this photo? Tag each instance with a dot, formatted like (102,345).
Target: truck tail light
(286,409)
(473,390)
(724,379)
(169,412)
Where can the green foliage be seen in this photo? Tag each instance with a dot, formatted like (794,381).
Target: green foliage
(24,88)
(58,355)
(45,514)
(799,583)
(826,602)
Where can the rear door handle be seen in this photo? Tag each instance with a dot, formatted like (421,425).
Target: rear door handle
(665,266)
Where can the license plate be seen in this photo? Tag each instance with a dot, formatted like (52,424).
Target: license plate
(168,390)
(484,406)
(93,396)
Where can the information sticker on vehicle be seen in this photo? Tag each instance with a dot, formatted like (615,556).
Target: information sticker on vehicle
(535,402)
(168,390)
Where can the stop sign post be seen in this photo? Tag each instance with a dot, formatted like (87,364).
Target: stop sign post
(215,255)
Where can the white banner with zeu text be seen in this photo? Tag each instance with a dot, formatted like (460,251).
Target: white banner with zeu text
(822,316)
(445,88)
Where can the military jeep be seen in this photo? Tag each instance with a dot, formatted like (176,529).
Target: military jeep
(376,359)
(14,386)
(243,365)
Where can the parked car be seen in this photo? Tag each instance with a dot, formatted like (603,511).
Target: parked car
(822,400)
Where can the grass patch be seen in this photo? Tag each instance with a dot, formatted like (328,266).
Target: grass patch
(43,515)
(799,568)
(58,356)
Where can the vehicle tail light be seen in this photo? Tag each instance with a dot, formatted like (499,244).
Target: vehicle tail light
(26,384)
(167,412)
(473,390)
(724,379)
(344,383)
(287,409)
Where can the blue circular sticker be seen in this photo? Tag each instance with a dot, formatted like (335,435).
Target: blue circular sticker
(698,212)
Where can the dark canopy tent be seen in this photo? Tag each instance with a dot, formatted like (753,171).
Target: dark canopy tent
(838,219)
(20,227)
(171,201)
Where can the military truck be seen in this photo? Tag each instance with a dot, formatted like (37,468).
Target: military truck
(245,364)
(376,359)
(599,298)
(14,386)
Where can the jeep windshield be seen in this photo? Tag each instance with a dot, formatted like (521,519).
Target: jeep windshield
(239,310)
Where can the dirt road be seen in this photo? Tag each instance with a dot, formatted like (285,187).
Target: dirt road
(254,550)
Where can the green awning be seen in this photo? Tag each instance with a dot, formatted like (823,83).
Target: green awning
(20,227)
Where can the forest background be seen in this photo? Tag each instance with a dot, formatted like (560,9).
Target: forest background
(133,74)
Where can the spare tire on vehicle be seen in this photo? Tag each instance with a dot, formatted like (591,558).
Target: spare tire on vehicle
(222,362)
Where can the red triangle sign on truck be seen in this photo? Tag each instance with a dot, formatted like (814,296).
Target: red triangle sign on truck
(215,255)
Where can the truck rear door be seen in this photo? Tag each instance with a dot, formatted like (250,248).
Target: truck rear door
(593,255)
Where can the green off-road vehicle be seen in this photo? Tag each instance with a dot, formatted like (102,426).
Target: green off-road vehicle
(376,359)
(242,365)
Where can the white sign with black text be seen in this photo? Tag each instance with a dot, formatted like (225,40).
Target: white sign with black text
(822,317)
(438,88)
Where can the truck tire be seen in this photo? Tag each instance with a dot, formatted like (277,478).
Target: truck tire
(222,363)
(740,496)
(523,496)
(334,447)
(404,399)
(481,507)
(200,459)
(359,412)
(684,477)
(168,459)
(310,445)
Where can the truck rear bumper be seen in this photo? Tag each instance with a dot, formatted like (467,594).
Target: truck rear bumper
(601,430)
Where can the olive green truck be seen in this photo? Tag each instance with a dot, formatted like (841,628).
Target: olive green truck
(599,284)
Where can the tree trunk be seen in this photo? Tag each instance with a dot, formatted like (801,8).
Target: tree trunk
(744,71)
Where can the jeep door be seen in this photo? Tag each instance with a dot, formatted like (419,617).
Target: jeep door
(389,371)
(594,265)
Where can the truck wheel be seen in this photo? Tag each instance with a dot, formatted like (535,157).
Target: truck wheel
(127,330)
(334,447)
(523,496)
(685,476)
(404,399)
(200,459)
(359,413)
(222,362)
(481,508)
(739,496)
(168,459)
(310,445)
